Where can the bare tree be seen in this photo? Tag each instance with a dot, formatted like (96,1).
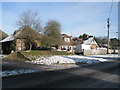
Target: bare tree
(31,19)
(101,41)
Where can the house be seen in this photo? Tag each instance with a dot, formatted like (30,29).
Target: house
(3,35)
(20,40)
(90,43)
(68,44)
(77,40)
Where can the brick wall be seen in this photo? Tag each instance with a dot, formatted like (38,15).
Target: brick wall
(20,44)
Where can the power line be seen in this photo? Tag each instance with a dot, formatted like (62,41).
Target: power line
(111,9)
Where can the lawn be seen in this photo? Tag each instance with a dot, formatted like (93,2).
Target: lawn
(42,52)
(34,54)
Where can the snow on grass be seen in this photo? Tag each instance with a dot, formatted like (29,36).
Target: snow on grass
(70,59)
(107,55)
(17,72)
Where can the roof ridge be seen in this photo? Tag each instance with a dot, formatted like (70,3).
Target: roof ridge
(18,33)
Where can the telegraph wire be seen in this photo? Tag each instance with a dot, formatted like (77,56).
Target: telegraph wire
(111,9)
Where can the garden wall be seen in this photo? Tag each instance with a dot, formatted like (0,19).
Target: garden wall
(97,51)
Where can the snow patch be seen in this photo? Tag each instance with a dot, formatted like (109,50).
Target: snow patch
(70,59)
(2,56)
(9,38)
(107,55)
(16,72)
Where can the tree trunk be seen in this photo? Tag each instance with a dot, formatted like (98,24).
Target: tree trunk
(50,47)
(30,47)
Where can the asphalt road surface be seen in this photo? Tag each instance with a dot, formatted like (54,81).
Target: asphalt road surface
(101,75)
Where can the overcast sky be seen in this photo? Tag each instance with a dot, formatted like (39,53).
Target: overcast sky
(76,18)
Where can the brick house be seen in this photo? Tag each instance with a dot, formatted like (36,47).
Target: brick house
(68,44)
(3,35)
(19,40)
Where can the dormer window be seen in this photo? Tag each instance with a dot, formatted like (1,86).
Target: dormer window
(67,39)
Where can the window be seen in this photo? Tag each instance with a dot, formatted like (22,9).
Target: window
(67,39)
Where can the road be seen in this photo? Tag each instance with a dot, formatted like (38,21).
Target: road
(100,75)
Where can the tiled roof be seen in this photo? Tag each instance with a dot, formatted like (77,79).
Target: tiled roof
(12,36)
(9,38)
(68,43)
(65,35)
(21,33)
(2,35)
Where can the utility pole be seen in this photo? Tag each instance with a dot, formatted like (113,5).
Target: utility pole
(108,25)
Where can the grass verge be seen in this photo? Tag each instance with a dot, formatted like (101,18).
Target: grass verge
(34,54)
(17,56)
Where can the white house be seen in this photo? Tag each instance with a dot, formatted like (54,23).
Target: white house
(90,43)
